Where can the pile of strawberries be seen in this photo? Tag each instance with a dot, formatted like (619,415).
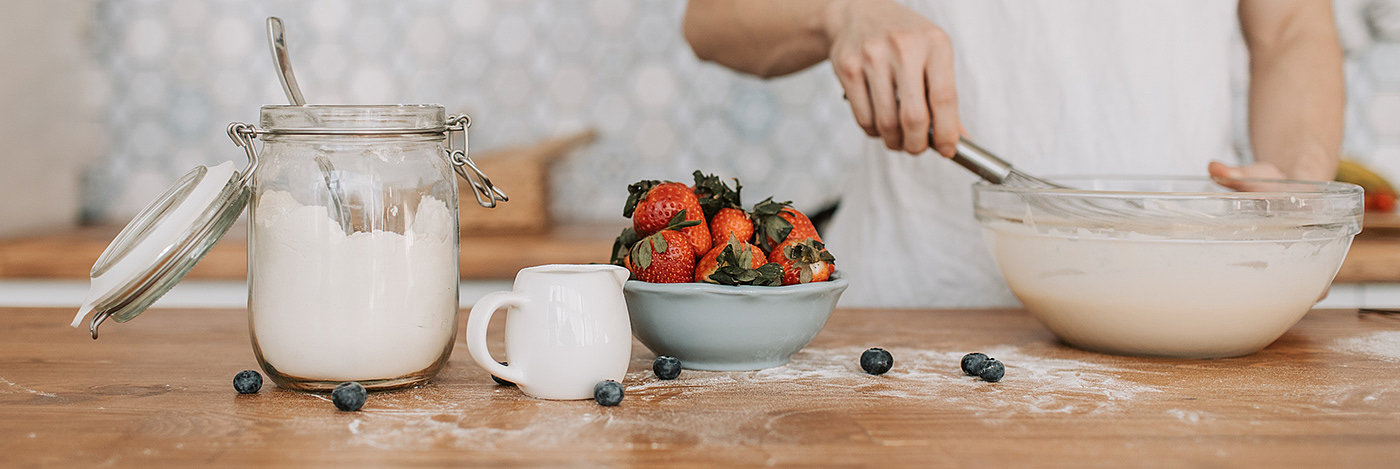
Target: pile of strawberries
(701,233)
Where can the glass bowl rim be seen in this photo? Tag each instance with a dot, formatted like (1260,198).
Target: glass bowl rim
(1322,189)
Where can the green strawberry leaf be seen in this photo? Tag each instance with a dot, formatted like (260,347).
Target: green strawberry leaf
(637,192)
(641,253)
(769,227)
(658,243)
(622,245)
(723,277)
(678,221)
(729,256)
(770,275)
(769,208)
(714,194)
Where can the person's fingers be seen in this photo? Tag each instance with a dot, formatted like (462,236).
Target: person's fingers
(910,86)
(850,71)
(881,82)
(1220,171)
(1236,177)
(943,96)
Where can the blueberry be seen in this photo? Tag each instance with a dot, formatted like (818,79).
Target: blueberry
(500,381)
(608,393)
(349,397)
(993,371)
(973,363)
(876,361)
(666,367)
(247,382)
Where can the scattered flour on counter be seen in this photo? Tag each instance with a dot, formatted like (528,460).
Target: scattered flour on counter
(1190,416)
(744,408)
(1384,345)
(1032,384)
(17,387)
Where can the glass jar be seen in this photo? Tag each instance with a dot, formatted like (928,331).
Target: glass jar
(353,245)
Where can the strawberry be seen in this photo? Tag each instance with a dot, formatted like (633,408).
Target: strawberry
(723,208)
(729,222)
(737,263)
(803,261)
(664,256)
(651,204)
(714,195)
(777,223)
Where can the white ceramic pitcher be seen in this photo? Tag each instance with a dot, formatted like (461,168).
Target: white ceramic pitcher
(567,329)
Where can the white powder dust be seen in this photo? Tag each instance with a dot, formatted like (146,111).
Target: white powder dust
(1384,345)
(1032,384)
(744,408)
(14,387)
(1191,416)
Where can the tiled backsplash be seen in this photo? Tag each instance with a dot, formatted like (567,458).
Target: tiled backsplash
(178,71)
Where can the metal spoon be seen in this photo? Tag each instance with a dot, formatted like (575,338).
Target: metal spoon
(276,37)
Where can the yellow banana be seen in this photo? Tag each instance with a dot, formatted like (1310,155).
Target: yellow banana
(1357,173)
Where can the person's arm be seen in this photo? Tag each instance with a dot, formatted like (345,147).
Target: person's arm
(763,38)
(1296,90)
(893,64)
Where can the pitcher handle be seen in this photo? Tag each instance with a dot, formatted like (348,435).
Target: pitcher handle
(477,321)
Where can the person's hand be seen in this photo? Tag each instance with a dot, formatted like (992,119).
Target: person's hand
(895,66)
(1229,176)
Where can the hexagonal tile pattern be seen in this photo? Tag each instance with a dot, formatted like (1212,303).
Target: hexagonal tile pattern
(179,71)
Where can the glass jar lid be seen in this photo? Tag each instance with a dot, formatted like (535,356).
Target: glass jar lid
(158,247)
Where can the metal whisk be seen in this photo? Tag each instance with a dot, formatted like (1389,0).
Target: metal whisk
(996,170)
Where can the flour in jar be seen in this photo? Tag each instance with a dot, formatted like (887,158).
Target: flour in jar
(1124,292)
(325,305)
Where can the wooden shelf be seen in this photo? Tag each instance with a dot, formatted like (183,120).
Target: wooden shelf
(70,254)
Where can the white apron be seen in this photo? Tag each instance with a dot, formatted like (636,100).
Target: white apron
(1055,87)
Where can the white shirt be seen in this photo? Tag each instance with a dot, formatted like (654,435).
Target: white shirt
(1054,87)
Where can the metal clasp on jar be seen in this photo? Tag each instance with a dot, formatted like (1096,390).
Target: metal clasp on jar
(487,194)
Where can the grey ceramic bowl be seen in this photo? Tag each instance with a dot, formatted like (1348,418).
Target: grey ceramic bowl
(727,328)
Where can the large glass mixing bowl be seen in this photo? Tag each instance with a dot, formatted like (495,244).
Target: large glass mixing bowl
(1169,266)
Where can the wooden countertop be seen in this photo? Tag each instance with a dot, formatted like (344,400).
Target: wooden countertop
(156,392)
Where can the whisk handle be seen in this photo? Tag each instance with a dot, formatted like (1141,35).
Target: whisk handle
(981,162)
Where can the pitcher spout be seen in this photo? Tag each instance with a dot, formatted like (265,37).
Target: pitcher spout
(621,275)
